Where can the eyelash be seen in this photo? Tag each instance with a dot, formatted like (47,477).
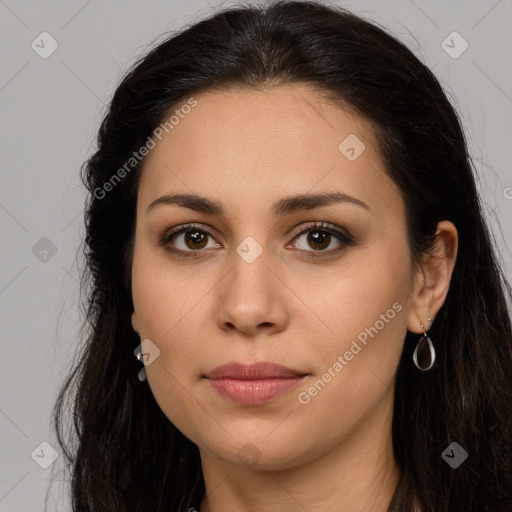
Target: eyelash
(344,238)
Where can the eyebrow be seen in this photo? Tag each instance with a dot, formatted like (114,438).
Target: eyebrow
(284,206)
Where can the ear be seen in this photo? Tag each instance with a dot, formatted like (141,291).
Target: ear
(135,324)
(432,279)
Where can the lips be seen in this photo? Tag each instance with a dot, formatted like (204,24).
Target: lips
(256,371)
(253,384)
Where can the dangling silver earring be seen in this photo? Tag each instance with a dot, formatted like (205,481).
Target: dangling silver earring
(426,351)
(142,372)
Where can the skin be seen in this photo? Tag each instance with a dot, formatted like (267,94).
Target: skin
(246,150)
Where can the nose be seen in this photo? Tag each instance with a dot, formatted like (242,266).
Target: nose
(252,298)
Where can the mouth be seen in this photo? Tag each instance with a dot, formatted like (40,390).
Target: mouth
(253,384)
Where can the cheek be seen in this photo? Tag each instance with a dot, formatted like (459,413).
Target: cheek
(363,311)
(173,307)
(163,294)
(167,304)
(356,367)
(354,296)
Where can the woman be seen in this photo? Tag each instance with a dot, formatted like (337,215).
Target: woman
(283,228)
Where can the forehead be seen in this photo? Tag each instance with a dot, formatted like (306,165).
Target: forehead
(235,144)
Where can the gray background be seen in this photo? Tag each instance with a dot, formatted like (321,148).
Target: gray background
(51,109)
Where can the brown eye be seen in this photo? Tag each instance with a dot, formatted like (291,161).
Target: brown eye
(195,239)
(319,237)
(319,240)
(187,241)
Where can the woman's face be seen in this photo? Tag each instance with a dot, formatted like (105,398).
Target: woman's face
(257,279)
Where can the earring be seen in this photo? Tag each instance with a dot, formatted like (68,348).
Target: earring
(426,352)
(141,375)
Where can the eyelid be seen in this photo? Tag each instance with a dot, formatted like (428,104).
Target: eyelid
(320,225)
(185,227)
